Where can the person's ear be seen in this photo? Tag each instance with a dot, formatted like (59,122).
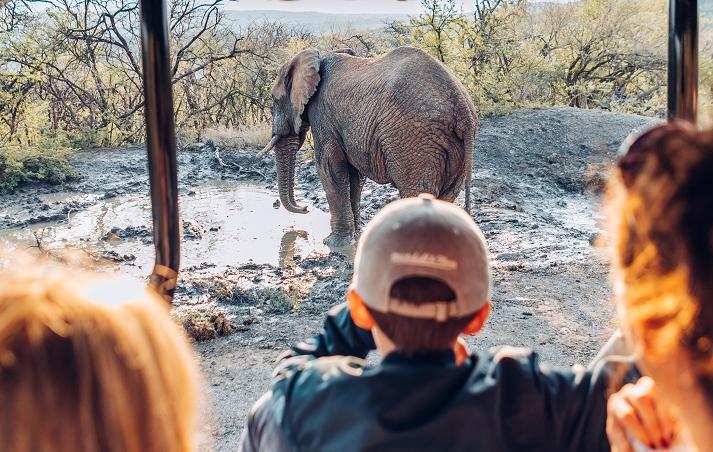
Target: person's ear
(478,321)
(360,314)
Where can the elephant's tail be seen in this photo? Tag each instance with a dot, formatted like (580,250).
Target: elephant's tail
(467,192)
(462,174)
(466,129)
(469,145)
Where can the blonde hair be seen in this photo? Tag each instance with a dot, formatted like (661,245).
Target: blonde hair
(90,363)
(662,231)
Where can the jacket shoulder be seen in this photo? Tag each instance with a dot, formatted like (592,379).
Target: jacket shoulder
(328,367)
(262,430)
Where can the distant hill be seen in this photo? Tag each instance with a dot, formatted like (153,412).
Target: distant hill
(323,22)
(705,9)
(314,21)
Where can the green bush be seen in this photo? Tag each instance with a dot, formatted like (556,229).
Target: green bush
(46,161)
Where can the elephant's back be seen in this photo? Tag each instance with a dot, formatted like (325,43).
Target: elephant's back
(427,125)
(406,77)
(418,89)
(415,117)
(415,81)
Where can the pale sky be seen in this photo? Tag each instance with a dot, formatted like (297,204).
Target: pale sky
(331,6)
(336,6)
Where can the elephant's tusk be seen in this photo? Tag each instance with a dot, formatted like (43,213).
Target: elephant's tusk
(269,146)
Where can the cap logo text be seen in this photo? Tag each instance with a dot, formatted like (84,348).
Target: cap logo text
(435,261)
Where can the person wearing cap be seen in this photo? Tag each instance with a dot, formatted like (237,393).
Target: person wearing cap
(422,278)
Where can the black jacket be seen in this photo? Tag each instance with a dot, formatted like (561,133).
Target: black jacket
(504,400)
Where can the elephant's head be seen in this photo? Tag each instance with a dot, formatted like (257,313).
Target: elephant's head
(296,83)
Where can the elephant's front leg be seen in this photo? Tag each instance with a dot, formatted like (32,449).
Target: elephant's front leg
(334,173)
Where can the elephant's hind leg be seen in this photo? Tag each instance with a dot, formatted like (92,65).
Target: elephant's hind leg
(356,184)
(334,171)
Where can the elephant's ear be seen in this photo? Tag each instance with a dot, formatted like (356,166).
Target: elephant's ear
(299,78)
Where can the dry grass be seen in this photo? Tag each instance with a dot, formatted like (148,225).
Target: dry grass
(251,137)
(206,323)
(246,136)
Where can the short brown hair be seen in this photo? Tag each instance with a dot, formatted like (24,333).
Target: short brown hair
(411,335)
(90,364)
(662,231)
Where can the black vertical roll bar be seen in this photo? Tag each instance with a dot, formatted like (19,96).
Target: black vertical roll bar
(683,60)
(161,146)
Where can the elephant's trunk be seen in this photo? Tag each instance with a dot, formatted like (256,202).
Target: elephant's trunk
(286,156)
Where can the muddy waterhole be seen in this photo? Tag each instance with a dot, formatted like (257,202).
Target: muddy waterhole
(224,223)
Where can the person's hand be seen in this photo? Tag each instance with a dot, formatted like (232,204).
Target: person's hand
(636,412)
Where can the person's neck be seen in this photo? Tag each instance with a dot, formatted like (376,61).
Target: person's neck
(680,388)
(385,346)
(698,418)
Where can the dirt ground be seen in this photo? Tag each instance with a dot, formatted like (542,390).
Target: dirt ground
(247,292)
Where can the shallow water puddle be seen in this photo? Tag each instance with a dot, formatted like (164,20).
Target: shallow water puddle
(225,223)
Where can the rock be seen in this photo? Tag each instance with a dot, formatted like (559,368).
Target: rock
(192,230)
(116,257)
(110,237)
(129,232)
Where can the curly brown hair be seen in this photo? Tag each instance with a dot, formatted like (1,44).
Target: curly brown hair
(661,206)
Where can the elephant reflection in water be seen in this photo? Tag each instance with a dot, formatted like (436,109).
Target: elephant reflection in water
(288,247)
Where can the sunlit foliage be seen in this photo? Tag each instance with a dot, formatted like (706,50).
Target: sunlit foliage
(70,70)
(608,54)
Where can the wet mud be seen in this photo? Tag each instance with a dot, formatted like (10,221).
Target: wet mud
(256,278)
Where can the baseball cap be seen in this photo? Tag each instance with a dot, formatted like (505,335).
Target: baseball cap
(423,237)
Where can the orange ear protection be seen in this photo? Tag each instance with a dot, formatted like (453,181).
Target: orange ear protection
(363,319)
(478,321)
(360,314)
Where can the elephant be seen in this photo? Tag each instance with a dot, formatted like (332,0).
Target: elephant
(402,119)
